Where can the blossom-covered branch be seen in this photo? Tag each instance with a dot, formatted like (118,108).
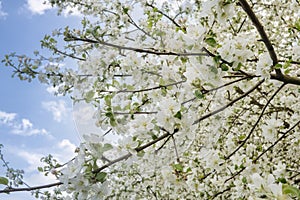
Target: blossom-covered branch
(191,99)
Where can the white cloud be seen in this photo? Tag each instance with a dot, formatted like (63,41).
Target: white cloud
(37,6)
(7,118)
(36,179)
(66,151)
(2,13)
(32,159)
(63,151)
(25,128)
(66,144)
(20,127)
(58,109)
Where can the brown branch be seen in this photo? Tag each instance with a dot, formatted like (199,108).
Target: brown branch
(136,113)
(164,14)
(138,50)
(9,190)
(256,123)
(146,89)
(128,155)
(279,61)
(279,139)
(217,88)
(270,147)
(139,28)
(221,192)
(229,104)
(68,55)
(286,79)
(262,33)
(234,175)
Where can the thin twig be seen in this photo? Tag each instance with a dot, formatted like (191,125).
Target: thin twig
(229,104)
(128,155)
(278,140)
(9,190)
(146,89)
(138,50)
(270,147)
(164,14)
(219,87)
(175,148)
(256,123)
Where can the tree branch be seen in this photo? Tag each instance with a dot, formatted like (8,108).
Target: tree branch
(128,155)
(164,14)
(262,33)
(278,140)
(217,88)
(146,89)
(286,79)
(229,104)
(148,51)
(9,190)
(256,123)
(255,160)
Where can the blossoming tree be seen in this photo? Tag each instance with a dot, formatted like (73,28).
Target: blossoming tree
(202,96)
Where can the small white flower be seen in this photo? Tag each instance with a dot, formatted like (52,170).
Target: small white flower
(296,52)
(264,64)
(269,130)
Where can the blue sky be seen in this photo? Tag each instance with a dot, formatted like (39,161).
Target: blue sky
(33,122)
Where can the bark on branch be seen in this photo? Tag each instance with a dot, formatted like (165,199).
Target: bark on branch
(229,104)
(9,190)
(261,32)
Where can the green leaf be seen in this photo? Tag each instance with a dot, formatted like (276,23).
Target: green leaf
(278,66)
(297,25)
(244,180)
(178,115)
(287,71)
(224,67)
(101,176)
(211,42)
(125,10)
(184,59)
(34,67)
(282,180)
(107,100)
(217,58)
(213,69)
(291,190)
(287,64)
(238,67)
(109,115)
(107,147)
(199,94)
(40,169)
(112,122)
(178,167)
(89,96)
(3,181)
(141,153)
(154,137)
